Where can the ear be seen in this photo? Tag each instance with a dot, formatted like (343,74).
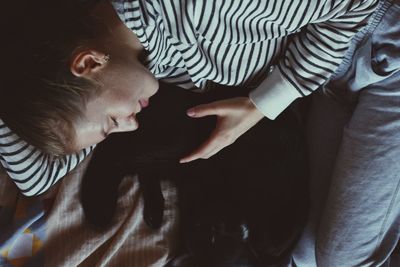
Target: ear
(88,62)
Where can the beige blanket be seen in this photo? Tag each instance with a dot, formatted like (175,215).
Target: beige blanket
(129,242)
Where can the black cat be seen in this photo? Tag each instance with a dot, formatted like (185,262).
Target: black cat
(247,202)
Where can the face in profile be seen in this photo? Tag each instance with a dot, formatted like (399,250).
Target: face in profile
(127,86)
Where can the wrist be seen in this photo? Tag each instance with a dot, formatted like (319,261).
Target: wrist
(254,111)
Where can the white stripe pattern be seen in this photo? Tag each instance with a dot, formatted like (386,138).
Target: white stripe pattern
(194,42)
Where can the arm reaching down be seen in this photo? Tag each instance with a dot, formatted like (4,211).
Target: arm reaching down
(311,56)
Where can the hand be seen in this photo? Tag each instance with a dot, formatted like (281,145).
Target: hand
(234,117)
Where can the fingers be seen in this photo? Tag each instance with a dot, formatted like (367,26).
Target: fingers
(200,153)
(212,146)
(235,117)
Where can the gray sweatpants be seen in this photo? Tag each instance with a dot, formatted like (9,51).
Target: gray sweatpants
(354,137)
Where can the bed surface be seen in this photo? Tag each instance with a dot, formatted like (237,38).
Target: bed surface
(50,230)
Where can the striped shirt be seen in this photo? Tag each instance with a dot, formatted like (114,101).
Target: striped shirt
(33,171)
(285,49)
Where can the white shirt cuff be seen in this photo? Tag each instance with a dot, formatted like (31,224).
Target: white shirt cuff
(273,95)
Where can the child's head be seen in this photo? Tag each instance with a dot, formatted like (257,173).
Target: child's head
(69,81)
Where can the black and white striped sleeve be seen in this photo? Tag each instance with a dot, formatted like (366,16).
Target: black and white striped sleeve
(313,54)
(33,171)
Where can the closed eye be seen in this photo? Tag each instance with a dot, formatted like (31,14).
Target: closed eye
(115,122)
(115,125)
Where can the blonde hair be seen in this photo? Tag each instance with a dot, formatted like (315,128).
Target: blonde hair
(40,97)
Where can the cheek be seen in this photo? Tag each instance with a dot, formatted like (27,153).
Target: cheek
(86,138)
(145,82)
(89,131)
